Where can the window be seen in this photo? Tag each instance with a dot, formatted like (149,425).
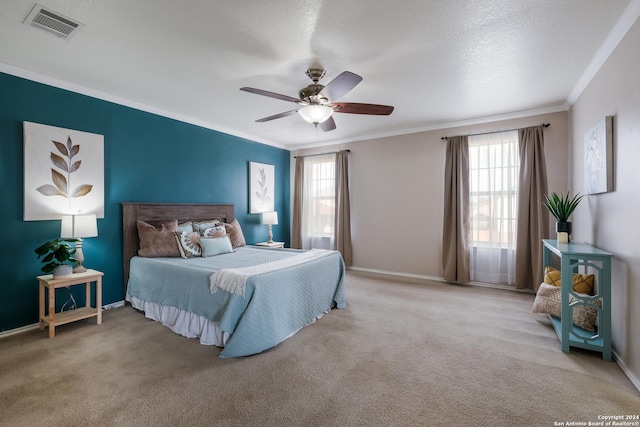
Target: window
(318,207)
(494,168)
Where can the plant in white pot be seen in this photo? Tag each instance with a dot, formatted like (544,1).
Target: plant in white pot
(58,257)
(561,207)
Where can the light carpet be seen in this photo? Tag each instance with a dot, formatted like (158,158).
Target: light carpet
(400,354)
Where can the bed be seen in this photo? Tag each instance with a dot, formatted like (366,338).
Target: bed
(247,301)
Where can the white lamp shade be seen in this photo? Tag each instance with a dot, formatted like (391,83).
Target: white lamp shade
(270,218)
(315,113)
(78,226)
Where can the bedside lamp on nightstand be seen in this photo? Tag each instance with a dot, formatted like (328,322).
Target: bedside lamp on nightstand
(270,218)
(77,227)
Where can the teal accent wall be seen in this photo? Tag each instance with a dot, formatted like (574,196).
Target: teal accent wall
(148,158)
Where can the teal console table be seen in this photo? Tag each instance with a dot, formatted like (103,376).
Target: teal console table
(573,255)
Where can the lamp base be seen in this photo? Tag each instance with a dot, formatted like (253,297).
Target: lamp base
(79,258)
(79,269)
(270,235)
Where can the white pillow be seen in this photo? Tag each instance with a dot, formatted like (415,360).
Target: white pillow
(212,246)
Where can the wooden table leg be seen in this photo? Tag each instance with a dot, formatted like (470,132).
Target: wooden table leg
(41,305)
(87,298)
(99,299)
(52,311)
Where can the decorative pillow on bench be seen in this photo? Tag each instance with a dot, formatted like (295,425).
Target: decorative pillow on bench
(548,301)
(582,283)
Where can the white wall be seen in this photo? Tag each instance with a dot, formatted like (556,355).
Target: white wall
(610,221)
(397,192)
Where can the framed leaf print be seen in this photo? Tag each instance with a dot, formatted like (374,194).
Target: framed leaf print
(261,187)
(598,157)
(63,172)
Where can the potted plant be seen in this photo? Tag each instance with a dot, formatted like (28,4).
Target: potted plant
(561,207)
(57,255)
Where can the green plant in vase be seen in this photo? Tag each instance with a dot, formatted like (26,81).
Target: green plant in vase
(561,207)
(57,256)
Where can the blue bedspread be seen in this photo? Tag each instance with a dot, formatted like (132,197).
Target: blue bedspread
(276,304)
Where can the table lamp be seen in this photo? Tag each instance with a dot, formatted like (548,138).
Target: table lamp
(270,218)
(78,227)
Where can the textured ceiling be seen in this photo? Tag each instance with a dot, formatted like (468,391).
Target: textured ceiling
(437,62)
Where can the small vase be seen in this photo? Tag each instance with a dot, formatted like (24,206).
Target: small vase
(563,230)
(62,271)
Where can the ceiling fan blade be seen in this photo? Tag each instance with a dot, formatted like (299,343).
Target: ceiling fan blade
(277,116)
(339,86)
(270,94)
(358,108)
(328,124)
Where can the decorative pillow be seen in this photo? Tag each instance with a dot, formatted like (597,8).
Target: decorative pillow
(548,301)
(217,231)
(201,226)
(212,246)
(185,226)
(189,244)
(158,242)
(582,283)
(235,233)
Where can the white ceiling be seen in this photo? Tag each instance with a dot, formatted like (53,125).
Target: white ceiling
(439,63)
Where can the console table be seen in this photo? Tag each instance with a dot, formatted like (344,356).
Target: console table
(573,255)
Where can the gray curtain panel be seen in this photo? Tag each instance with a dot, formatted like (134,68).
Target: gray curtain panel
(296,226)
(533,218)
(342,238)
(455,235)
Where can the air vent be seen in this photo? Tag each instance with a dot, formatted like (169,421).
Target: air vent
(52,22)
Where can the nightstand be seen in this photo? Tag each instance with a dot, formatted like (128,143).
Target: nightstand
(54,319)
(271,245)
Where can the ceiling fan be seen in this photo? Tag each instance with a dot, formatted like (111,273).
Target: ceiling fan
(319,101)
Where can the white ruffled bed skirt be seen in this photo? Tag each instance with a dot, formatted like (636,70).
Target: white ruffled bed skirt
(182,322)
(190,325)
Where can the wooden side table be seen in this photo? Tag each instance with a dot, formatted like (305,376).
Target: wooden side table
(271,245)
(54,319)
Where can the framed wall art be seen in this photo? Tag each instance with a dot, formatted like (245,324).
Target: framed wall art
(261,187)
(63,172)
(598,157)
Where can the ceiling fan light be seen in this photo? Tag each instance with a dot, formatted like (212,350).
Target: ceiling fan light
(315,113)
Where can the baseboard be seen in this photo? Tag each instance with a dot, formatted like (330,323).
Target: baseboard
(27,328)
(396,274)
(419,277)
(634,380)
(113,305)
(20,330)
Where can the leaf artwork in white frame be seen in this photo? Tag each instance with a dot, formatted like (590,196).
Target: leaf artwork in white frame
(261,187)
(63,172)
(598,157)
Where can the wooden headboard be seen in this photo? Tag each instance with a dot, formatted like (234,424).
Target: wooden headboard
(159,213)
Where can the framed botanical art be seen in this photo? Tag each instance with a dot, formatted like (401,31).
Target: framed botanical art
(261,187)
(63,172)
(598,157)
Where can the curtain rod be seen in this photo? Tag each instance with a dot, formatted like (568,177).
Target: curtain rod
(322,154)
(546,125)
